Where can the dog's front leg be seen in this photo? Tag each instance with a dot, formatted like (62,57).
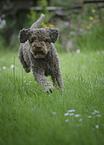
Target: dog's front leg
(43,81)
(21,58)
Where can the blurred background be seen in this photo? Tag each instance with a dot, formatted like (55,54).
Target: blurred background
(80,22)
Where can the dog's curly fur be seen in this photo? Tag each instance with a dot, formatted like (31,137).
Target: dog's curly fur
(38,53)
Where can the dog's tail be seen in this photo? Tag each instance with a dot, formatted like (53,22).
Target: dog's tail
(38,22)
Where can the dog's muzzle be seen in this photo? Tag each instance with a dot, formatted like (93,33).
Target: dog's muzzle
(39,52)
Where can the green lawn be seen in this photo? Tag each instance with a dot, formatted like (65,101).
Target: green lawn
(74,116)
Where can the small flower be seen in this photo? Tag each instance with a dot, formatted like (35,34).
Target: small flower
(91,18)
(96,111)
(71,114)
(54,113)
(12,66)
(27,84)
(66,120)
(44,25)
(50,25)
(93,113)
(72,110)
(30,81)
(96,126)
(93,10)
(98,115)
(4,67)
(89,116)
(78,51)
(77,115)
(24,81)
(89,26)
(66,114)
(80,119)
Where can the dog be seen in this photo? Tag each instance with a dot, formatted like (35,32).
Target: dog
(38,54)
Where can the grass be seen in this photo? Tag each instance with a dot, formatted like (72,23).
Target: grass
(28,116)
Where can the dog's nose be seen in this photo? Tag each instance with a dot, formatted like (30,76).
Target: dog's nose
(38,47)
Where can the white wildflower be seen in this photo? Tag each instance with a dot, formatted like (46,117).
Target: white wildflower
(4,67)
(12,66)
(66,114)
(89,116)
(72,110)
(71,114)
(98,115)
(77,115)
(96,111)
(27,84)
(24,81)
(54,113)
(80,119)
(78,50)
(66,120)
(97,126)
(93,113)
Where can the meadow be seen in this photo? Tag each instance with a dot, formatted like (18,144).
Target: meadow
(74,115)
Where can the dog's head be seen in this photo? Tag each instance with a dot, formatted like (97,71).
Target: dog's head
(39,40)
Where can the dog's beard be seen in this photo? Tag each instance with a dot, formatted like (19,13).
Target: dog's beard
(39,53)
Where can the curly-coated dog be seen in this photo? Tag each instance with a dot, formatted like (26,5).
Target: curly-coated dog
(38,53)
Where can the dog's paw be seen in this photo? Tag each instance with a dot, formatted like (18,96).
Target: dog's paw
(49,89)
(27,70)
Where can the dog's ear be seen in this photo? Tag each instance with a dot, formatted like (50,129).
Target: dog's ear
(53,34)
(24,35)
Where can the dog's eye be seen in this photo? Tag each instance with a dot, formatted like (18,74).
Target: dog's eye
(47,40)
(32,39)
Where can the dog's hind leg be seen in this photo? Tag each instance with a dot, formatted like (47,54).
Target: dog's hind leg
(59,79)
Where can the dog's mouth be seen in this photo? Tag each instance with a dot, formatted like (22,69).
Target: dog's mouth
(39,53)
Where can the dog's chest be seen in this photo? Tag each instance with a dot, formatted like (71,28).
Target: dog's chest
(46,65)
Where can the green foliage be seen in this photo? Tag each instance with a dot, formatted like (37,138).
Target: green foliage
(92,39)
(33,15)
(43,4)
